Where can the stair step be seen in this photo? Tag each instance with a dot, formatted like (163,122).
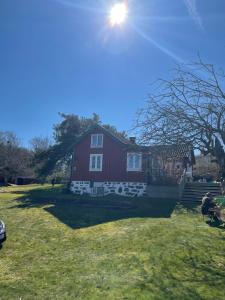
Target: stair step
(203,183)
(200,199)
(194,192)
(191,201)
(201,188)
(200,194)
(204,186)
(192,196)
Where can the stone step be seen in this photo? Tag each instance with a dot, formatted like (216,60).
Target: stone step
(194,192)
(202,187)
(192,197)
(203,184)
(198,190)
(202,192)
(191,201)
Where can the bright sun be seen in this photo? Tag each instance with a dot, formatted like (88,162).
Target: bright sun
(118,14)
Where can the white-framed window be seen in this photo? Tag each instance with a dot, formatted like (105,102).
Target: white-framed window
(134,162)
(95,162)
(97,140)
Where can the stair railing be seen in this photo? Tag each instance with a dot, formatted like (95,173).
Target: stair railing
(182,183)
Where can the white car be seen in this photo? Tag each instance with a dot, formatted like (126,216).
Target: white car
(2,232)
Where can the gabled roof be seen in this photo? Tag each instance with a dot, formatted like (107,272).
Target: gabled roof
(116,137)
(172,151)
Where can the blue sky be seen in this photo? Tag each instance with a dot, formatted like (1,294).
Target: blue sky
(62,56)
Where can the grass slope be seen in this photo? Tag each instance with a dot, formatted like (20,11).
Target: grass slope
(68,247)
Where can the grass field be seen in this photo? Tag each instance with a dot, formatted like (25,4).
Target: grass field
(62,246)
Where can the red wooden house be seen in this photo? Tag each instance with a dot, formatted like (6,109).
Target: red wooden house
(104,163)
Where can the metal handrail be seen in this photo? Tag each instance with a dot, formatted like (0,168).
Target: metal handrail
(182,183)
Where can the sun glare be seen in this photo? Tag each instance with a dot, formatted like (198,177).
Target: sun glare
(118,13)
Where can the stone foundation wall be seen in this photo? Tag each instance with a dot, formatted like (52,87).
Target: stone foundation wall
(80,187)
(129,189)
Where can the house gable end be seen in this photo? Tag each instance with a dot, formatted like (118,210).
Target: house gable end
(100,129)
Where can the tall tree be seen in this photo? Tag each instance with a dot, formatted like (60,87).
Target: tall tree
(189,108)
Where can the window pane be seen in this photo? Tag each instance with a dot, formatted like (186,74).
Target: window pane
(130,161)
(93,162)
(99,139)
(98,162)
(94,140)
(136,161)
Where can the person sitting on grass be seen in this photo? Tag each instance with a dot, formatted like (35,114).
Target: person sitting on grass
(210,208)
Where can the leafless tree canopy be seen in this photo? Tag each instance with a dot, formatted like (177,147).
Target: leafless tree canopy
(39,144)
(14,159)
(190,108)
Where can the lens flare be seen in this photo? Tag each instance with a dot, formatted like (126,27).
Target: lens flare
(118,14)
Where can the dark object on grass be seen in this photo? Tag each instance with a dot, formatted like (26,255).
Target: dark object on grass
(2,232)
(210,208)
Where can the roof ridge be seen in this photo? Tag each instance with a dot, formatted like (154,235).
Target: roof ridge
(107,131)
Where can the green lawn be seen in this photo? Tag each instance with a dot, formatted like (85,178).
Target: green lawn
(67,247)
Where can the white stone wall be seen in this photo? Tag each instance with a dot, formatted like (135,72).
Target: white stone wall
(80,187)
(130,189)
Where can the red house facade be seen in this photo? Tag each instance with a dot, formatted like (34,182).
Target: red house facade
(104,163)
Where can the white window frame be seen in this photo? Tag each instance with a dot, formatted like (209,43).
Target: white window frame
(134,169)
(97,137)
(95,169)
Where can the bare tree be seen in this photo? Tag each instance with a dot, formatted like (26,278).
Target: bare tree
(9,138)
(14,159)
(39,144)
(205,167)
(189,108)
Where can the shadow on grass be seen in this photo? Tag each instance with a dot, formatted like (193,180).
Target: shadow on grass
(84,211)
(216,224)
(192,206)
